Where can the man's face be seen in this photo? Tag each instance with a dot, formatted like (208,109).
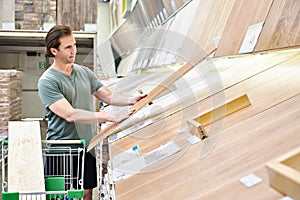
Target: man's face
(66,52)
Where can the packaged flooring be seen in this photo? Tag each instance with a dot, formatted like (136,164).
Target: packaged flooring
(10,98)
(33,14)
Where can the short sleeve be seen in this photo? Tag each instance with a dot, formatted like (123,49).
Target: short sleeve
(49,92)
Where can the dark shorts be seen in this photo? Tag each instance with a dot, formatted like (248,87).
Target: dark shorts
(70,167)
(90,171)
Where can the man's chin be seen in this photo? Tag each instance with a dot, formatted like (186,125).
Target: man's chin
(71,60)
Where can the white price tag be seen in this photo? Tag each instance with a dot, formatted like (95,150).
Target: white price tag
(286,198)
(193,139)
(8,25)
(251,37)
(250,180)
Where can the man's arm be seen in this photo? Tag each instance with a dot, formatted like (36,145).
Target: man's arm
(112,98)
(64,109)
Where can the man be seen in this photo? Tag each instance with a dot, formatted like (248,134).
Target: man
(66,90)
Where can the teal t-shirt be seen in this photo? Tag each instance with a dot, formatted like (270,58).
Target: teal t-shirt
(77,88)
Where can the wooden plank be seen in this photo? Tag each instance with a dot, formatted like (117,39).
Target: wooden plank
(195,59)
(235,190)
(25,161)
(209,21)
(282,26)
(241,153)
(233,72)
(261,129)
(76,13)
(218,15)
(196,129)
(199,18)
(227,160)
(195,14)
(224,110)
(215,114)
(284,173)
(168,6)
(244,13)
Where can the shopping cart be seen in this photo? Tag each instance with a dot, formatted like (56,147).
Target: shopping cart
(63,170)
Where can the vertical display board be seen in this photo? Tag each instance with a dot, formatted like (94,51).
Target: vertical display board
(244,14)
(282,26)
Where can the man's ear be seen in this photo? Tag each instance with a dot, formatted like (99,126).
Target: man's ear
(53,51)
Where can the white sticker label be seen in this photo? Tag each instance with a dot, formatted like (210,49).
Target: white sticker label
(193,139)
(90,27)
(286,198)
(8,25)
(251,38)
(250,180)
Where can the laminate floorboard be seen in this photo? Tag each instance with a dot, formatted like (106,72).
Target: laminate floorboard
(239,150)
(256,146)
(235,190)
(232,73)
(113,128)
(244,13)
(208,22)
(282,26)
(238,131)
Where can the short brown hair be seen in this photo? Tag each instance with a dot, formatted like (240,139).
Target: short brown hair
(53,36)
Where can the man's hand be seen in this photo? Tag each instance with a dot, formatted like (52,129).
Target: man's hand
(133,100)
(119,116)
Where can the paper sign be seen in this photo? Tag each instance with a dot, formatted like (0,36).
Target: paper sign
(89,27)
(128,163)
(251,38)
(8,25)
(48,25)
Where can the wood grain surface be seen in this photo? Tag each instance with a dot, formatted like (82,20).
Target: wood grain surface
(249,139)
(237,153)
(284,174)
(195,59)
(215,20)
(224,110)
(282,26)
(207,23)
(244,13)
(244,153)
(235,190)
(76,13)
(231,71)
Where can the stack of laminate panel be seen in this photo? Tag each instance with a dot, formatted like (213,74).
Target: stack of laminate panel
(31,14)
(11,98)
(76,13)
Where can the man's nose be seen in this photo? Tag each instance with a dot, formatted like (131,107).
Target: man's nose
(74,50)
